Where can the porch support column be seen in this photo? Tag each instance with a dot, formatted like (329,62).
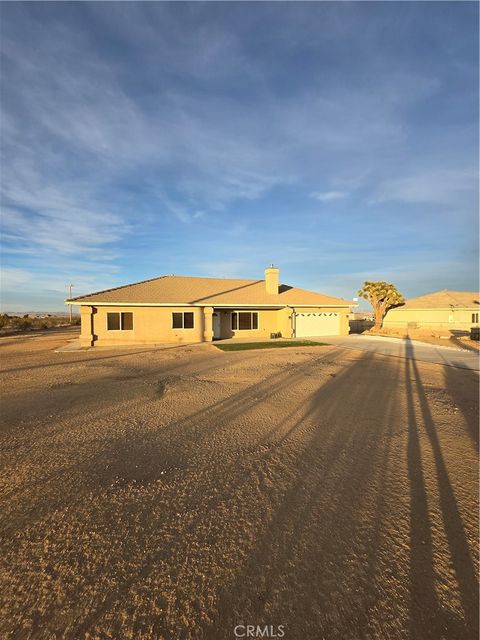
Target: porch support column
(344,322)
(86,334)
(208,324)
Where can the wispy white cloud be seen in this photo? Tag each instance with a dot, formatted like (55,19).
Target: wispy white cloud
(424,276)
(327,196)
(219,150)
(179,124)
(442,186)
(12,278)
(27,290)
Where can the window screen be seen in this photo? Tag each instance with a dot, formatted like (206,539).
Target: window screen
(113,321)
(182,320)
(188,320)
(177,320)
(244,321)
(127,320)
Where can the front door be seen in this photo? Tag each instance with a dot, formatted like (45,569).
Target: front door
(216,325)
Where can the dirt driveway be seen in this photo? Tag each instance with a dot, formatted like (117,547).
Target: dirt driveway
(179,493)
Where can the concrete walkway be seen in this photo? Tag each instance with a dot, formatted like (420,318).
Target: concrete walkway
(72,345)
(405,348)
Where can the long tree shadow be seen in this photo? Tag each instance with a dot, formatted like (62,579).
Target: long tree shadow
(424,606)
(96,357)
(314,559)
(319,547)
(197,430)
(186,435)
(98,389)
(427,619)
(135,456)
(143,457)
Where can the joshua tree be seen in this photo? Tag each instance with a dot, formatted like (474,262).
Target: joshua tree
(382,296)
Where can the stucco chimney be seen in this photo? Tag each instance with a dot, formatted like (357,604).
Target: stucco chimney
(271,279)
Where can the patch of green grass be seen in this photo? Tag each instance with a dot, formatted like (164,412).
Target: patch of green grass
(274,344)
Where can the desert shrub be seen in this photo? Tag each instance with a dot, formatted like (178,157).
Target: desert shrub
(48,322)
(27,322)
(22,324)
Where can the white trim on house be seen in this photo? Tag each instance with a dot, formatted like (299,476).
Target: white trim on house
(217,305)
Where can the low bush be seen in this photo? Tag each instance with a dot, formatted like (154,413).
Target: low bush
(28,323)
(22,324)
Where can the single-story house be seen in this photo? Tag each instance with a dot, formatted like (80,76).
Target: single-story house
(189,309)
(442,310)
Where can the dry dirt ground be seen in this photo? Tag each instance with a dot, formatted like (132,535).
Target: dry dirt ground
(177,493)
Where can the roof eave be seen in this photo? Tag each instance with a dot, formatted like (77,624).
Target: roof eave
(96,303)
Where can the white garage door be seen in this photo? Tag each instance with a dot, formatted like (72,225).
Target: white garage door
(317,324)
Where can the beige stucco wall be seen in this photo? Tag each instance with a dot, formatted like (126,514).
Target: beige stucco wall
(345,322)
(153,325)
(276,321)
(430,318)
(269,321)
(86,326)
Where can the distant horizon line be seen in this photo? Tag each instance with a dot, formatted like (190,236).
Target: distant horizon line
(41,311)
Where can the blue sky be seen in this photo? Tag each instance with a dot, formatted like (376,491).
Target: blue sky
(336,140)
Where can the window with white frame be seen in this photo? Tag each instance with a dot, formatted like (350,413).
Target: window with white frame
(475,318)
(120,321)
(182,320)
(244,320)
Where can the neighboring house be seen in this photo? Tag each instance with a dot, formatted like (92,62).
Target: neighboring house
(368,316)
(184,309)
(361,321)
(443,310)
